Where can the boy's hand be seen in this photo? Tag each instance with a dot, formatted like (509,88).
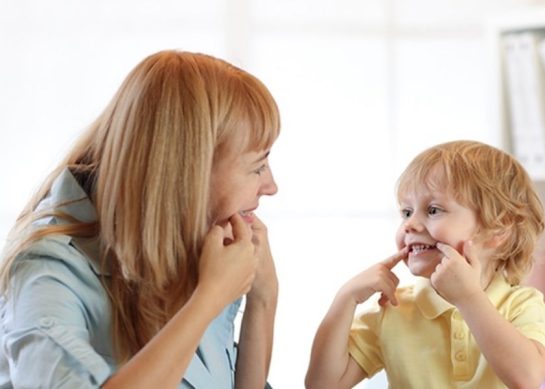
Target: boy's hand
(377,278)
(458,276)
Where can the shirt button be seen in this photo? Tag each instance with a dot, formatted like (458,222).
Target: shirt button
(460,356)
(456,315)
(459,335)
(47,322)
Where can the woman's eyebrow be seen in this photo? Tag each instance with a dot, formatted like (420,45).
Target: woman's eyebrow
(264,156)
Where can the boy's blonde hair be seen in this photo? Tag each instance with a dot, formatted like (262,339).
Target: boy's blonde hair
(494,185)
(148,158)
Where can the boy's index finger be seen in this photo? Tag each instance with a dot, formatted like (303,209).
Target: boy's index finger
(450,252)
(394,259)
(447,250)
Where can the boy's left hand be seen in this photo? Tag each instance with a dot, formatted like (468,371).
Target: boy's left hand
(458,276)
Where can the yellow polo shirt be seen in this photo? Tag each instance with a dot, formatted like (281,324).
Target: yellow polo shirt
(424,342)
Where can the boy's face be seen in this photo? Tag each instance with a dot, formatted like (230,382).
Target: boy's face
(429,217)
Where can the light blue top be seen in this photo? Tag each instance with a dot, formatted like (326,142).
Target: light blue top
(55,324)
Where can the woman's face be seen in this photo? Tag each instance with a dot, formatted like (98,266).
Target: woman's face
(237,183)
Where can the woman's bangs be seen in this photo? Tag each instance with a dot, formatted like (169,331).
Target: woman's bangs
(264,122)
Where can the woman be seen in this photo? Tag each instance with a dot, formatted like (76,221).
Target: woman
(127,267)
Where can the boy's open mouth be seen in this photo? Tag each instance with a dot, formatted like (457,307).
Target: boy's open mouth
(418,248)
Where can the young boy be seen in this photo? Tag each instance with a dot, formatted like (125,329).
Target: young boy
(470,218)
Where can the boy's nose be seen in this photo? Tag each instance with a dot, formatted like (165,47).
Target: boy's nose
(412,224)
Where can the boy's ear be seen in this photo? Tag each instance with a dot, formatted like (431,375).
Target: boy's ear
(496,238)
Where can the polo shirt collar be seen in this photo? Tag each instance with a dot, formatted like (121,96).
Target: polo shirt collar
(432,305)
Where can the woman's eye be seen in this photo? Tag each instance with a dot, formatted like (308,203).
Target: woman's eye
(260,170)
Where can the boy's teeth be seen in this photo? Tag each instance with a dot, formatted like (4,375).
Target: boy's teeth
(418,248)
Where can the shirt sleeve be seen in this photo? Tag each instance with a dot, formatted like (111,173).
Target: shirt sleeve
(45,329)
(363,343)
(527,313)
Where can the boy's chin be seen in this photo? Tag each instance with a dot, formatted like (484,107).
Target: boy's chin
(422,265)
(420,271)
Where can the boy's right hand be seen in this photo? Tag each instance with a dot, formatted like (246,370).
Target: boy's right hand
(377,278)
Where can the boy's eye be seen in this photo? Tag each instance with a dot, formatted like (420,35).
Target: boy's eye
(406,213)
(433,210)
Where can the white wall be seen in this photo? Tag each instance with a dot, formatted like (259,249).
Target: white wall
(362,87)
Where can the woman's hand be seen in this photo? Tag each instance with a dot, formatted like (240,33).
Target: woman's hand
(265,286)
(257,327)
(227,267)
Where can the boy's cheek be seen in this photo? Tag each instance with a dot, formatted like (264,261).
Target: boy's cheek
(400,239)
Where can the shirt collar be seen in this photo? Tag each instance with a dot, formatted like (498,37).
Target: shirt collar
(68,197)
(431,305)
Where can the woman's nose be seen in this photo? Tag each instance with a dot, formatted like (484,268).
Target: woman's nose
(268,186)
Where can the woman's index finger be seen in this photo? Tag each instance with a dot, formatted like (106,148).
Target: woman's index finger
(241,230)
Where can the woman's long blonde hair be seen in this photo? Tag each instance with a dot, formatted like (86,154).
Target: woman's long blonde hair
(494,185)
(148,157)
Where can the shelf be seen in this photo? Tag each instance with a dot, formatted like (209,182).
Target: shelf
(518,71)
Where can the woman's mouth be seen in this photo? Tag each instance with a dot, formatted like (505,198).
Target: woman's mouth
(248,216)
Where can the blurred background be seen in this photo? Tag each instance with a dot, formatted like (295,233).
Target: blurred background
(362,85)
